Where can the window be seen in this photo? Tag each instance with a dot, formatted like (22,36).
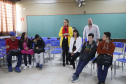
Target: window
(7,17)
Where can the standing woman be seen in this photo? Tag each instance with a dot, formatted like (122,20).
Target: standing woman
(25,45)
(65,33)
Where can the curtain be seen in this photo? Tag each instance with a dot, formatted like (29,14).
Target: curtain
(7,17)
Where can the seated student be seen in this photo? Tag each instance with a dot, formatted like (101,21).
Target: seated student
(75,48)
(105,47)
(25,44)
(39,49)
(12,50)
(87,53)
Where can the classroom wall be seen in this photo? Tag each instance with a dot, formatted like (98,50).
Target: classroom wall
(64,7)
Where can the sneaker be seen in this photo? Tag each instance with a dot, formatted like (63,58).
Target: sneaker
(25,67)
(73,76)
(10,69)
(30,66)
(40,67)
(75,79)
(37,65)
(17,69)
(101,82)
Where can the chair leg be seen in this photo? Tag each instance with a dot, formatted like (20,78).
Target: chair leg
(111,72)
(122,66)
(118,61)
(43,57)
(33,60)
(49,56)
(91,67)
(115,67)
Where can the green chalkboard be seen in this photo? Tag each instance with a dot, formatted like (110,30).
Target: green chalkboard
(49,25)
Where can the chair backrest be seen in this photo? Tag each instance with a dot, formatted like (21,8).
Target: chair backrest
(58,42)
(29,37)
(46,42)
(2,40)
(85,39)
(53,38)
(125,48)
(119,45)
(53,43)
(124,51)
(44,38)
(18,38)
(3,45)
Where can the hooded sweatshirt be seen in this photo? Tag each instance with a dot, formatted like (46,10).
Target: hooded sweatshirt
(106,48)
(88,51)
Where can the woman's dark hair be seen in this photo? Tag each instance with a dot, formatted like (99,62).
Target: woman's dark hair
(74,28)
(67,21)
(108,34)
(91,34)
(22,36)
(76,32)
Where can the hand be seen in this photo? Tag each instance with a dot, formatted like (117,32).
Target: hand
(26,48)
(65,34)
(83,41)
(109,54)
(7,46)
(72,54)
(34,40)
(37,48)
(97,41)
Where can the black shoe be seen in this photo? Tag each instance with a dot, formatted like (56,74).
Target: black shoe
(73,65)
(37,65)
(99,83)
(63,64)
(67,63)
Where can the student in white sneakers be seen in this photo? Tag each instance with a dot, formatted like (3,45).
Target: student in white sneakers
(38,50)
(25,45)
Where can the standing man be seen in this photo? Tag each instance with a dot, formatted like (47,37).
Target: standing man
(91,28)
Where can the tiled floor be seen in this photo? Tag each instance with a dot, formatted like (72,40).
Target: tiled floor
(57,74)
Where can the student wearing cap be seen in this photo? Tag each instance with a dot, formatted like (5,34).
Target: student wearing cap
(25,45)
(12,50)
(38,50)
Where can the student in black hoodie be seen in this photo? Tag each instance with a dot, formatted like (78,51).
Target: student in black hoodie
(39,45)
(87,53)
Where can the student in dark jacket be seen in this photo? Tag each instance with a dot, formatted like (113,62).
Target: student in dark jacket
(87,53)
(105,47)
(39,45)
(25,45)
